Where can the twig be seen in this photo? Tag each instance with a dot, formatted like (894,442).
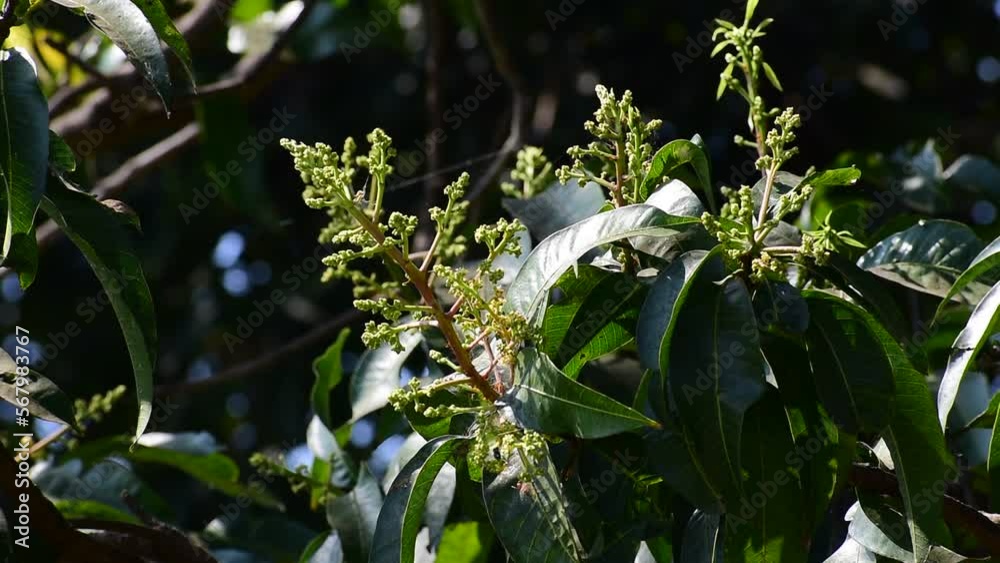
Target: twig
(265,361)
(504,63)
(72,57)
(44,442)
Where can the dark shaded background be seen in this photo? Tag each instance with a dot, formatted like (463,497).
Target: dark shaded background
(938,71)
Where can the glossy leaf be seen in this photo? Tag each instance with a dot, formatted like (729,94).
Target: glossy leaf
(673,155)
(403,509)
(167,31)
(331,550)
(354,516)
(833,177)
(554,255)
(544,399)
(558,207)
(61,157)
(865,288)
(928,257)
(975,174)
(988,260)
(784,182)
(702,539)
(377,375)
(127,26)
(531,519)
(24,160)
(46,401)
(715,372)
(779,306)
(993,463)
(772,531)
(102,235)
(851,552)
(970,341)
(328,371)
(465,542)
(853,376)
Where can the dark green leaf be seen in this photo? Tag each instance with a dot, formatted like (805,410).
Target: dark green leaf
(61,157)
(702,539)
(355,515)
(73,509)
(532,519)
(987,418)
(593,323)
(126,26)
(779,306)
(558,207)
(554,255)
(328,371)
(715,371)
(339,468)
(465,542)
(326,548)
(772,531)
(403,510)
(832,178)
(102,236)
(970,341)
(377,375)
(544,399)
(993,463)
(24,146)
(865,288)
(672,156)
(975,174)
(985,262)
(166,31)
(45,400)
(853,376)
(772,77)
(928,257)
(784,182)
(673,456)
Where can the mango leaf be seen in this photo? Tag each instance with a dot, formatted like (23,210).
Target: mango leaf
(532,519)
(784,182)
(987,418)
(928,257)
(970,341)
(331,462)
(74,509)
(917,446)
(465,542)
(167,31)
(127,26)
(832,178)
(45,400)
(851,552)
(355,515)
(326,548)
(673,155)
(853,376)
(865,288)
(102,236)
(984,262)
(377,375)
(773,531)
(660,309)
(702,539)
(24,160)
(779,306)
(715,371)
(993,464)
(672,456)
(554,255)
(403,510)
(328,370)
(881,528)
(975,174)
(594,320)
(544,399)
(558,207)
(61,157)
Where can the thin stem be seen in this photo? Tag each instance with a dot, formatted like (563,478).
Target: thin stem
(419,281)
(782,250)
(44,442)
(765,202)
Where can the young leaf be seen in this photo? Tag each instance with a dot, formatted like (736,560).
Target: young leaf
(853,376)
(770,532)
(544,399)
(993,464)
(166,31)
(772,77)
(532,519)
(24,160)
(715,371)
(377,375)
(47,401)
(832,178)
(102,236)
(355,515)
(328,370)
(928,257)
(984,262)
(554,255)
(976,333)
(403,509)
(126,26)
(674,155)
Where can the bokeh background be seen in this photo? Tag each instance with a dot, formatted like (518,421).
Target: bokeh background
(888,74)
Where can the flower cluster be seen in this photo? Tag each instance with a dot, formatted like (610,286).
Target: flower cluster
(533,170)
(497,440)
(619,157)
